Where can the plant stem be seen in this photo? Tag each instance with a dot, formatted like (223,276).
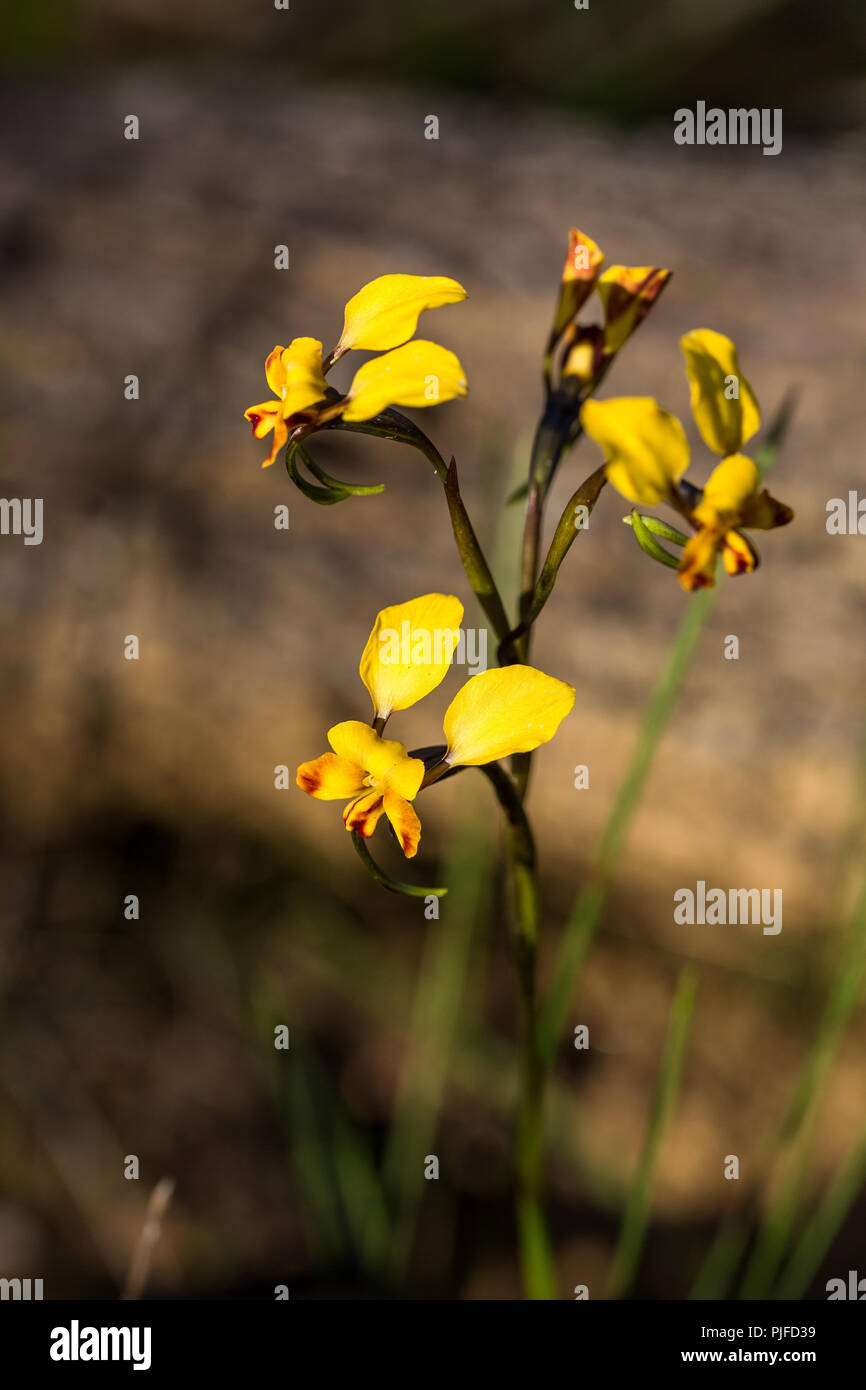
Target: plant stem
(536,1254)
(563,538)
(547,446)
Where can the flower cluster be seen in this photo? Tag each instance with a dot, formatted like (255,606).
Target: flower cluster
(381,317)
(508,712)
(646,455)
(495,714)
(586,351)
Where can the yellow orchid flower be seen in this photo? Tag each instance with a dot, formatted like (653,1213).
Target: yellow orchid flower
(512,709)
(627,294)
(381,316)
(496,713)
(385,312)
(730,500)
(645,448)
(409,651)
(376,773)
(295,376)
(723,403)
(417,374)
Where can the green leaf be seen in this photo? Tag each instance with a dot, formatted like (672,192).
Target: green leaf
(637,1208)
(324,496)
(393,885)
(659,528)
(649,545)
(518,494)
(349,489)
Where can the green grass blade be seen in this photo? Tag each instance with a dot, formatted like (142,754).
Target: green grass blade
(362,1195)
(435,1023)
(587,910)
(801,1117)
(821,1230)
(637,1208)
(726,1251)
(320,1208)
(588,907)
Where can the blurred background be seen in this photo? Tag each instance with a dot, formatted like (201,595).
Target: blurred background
(154,1037)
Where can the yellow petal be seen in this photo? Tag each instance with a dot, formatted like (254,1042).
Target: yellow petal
(627,294)
(275,372)
(698,563)
(725,421)
(409,650)
(364,813)
(385,313)
(281,434)
(304,383)
(417,374)
(509,710)
(384,759)
(330,778)
(738,554)
(585,356)
(405,822)
(730,485)
(263,417)
(645,448)
(582,264)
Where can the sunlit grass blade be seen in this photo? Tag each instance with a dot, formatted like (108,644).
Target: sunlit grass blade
(586,913)
(637,1208)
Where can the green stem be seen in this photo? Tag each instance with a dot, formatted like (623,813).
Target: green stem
(536,1253)
(472,556)
(551,439)
(563,538)
(547,447)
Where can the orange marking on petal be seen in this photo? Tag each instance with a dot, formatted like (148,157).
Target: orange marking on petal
(263,417)
(364,813)
(698,564)
(406,824)
(330,778)
(281,434)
